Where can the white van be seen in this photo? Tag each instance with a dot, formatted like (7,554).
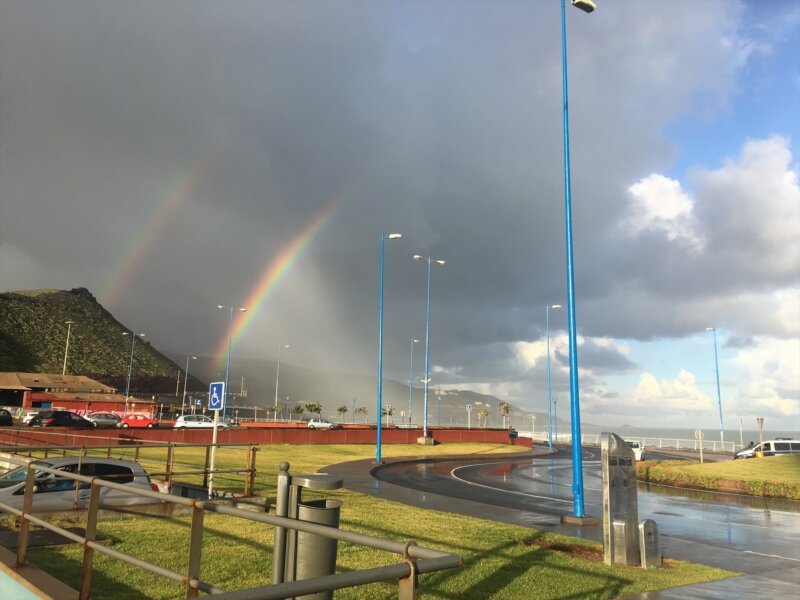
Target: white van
(770,448)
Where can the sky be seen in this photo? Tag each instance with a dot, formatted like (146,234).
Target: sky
(175,156)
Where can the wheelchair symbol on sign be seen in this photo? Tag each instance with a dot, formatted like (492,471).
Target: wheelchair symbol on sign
(216,395)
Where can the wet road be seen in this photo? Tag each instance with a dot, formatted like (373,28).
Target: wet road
(727,530)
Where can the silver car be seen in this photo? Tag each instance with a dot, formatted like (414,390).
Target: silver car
(191,421)
(52,492)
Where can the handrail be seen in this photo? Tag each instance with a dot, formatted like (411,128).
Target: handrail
(416,559)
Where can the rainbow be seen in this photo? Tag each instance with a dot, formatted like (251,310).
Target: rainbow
(135,254)
(273,273)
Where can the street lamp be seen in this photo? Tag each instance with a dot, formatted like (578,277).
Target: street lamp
(555,411)
(427,337)
(66,348)
(719,394)
(186,380)
(577,460)
(277,377)
(130,366)
(549,389)
(391,236)
(228,364)
(411,378)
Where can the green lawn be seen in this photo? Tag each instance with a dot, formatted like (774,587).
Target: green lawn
(500,561)
(773,476)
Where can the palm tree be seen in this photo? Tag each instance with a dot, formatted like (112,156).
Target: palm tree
(483,413)
(342,410)
(314,407)
(505,408)
(299,410)
(362,410)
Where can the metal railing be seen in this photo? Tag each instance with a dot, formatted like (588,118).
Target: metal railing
(415,559)
(170,460)
(591,439)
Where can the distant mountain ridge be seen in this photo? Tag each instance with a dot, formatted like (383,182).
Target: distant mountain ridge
(33,334)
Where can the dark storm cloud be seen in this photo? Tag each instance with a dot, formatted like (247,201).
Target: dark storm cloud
(439,120)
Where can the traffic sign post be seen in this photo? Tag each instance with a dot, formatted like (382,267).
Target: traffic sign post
(216,402)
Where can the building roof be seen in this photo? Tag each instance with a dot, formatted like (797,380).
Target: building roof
(52,382)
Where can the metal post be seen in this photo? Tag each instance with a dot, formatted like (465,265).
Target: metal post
(66,348)
(195,550)
(427,349)
(89,536)
(577,459)
(549,389)
(277,377)
(185,380)
(391,236)
(719,394)
(281,510)
(411,379)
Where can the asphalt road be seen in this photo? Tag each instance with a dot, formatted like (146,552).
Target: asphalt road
(758,537)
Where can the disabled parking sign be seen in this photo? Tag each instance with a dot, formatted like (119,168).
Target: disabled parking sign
(216,395)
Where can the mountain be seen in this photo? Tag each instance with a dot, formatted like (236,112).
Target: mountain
(33,338)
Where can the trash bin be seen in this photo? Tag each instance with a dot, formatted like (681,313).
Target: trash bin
(513,434)
(316,555)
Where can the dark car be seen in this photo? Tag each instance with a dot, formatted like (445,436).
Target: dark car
(101,419)
(6,418)
(59,418)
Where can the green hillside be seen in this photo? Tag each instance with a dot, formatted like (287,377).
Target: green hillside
(33,335)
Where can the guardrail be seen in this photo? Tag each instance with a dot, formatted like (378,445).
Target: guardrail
(133,450)
(416,559)
(591,439)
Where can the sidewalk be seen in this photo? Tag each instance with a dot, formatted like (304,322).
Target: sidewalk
(763,576)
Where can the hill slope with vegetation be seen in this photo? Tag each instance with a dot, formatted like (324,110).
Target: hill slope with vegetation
(33,336)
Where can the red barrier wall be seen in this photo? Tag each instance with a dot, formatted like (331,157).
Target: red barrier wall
(56,436)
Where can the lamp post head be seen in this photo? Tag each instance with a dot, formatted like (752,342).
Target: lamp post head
(555,306)
(709,329)
(585,5)
(219,306)
(440,262)
(242,309)
(417,257)
(415,341)
(68,322)
(394,236)
(285,346)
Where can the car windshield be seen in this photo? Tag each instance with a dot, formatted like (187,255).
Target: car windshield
(20,473)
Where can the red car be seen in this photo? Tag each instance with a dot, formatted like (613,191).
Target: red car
(136,420)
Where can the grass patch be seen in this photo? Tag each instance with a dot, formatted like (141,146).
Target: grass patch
(772,476)
(500,561)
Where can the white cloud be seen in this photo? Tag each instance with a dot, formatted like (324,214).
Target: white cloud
(770,372)
(660,204)
(681,393)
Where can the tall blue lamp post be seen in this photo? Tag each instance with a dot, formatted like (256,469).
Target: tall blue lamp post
(277,377)
(228,363)
(379,414)
(427,379)
(411,378)
(719,393)
(130,366)
(549,389)
(575,411)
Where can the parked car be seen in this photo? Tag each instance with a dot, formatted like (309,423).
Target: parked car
(26,419)
(101,419)
(59,418)
(774,447)
(52,492)
(190,421)
(637,448)
(5,418)
(136,420)
(318,423)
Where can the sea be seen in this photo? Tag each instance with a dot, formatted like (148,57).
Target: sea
(731,435)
